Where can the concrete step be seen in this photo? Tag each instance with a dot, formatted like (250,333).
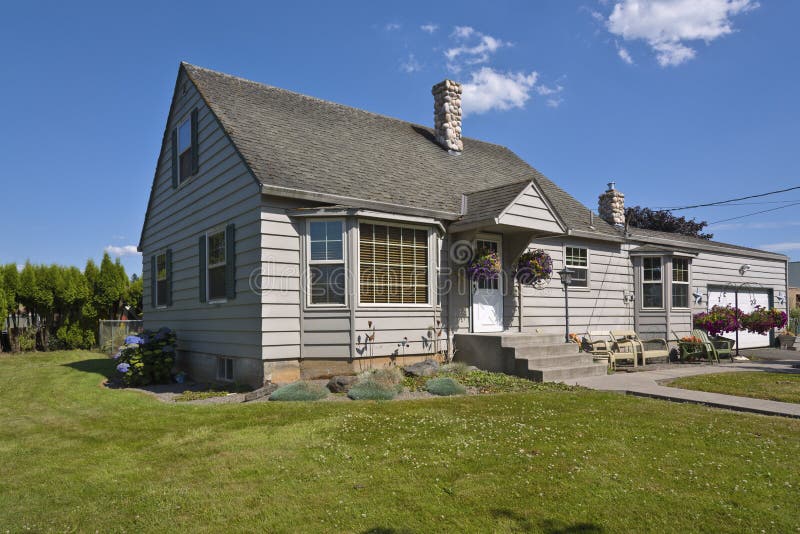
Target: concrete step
(559,374)
(518,339)
(557,361)
(531,351)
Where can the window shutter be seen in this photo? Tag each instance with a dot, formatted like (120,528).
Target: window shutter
(195,147)
(175,158)
(201,253)
(169,276)
(230,262)
(153,278)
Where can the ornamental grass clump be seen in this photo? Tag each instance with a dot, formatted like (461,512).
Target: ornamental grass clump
(147,359)
(370,389)
(389,377)
(533,266)
(444,387)
(719,319)
(299,391)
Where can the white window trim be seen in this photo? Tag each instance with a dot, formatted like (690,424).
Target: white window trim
(217,230)
(233,365)
(155,274)
(357,262)
(188,118)
(588,267)
(642,282)
(688,283)
(309,262)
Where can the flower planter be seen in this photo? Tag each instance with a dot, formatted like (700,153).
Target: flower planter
(787,342)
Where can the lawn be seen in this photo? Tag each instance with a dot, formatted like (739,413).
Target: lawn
(782,387)
(78,457)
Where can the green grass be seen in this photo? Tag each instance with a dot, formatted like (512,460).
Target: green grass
(78,457)
(782,387)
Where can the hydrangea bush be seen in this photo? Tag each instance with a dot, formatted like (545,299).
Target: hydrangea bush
(533,266)
(147,359)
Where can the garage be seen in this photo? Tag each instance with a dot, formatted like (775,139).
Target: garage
(749,298)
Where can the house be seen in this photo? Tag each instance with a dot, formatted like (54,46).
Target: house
(794,284)
(287,237)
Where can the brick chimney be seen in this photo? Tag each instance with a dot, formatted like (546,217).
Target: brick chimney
(447,115)
(611,206)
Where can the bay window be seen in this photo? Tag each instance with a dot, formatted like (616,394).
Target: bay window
(393,264)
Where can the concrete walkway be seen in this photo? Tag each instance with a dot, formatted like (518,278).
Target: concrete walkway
(649,384)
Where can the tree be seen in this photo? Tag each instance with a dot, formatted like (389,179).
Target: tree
(10,287)
(3,306)
(135,294)
(665,221)
(112,287)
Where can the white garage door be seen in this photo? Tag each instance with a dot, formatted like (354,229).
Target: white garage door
(748,300)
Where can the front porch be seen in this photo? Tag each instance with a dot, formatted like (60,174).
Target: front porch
(537,357)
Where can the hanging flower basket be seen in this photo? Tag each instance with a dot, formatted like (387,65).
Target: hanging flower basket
(484,266)
(719,319)
(762,320)
(533,267)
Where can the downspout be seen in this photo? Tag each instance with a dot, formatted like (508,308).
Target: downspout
(521,307)
(351,293)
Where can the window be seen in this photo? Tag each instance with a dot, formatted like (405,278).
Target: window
(483,247)
(161,279)
(394,264)
(577,260)
(216,265)
(652,286)
(225,369)
(680,283)
(185,150)
(327,276)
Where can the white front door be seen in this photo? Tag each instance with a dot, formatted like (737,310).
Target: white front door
(748,300)
(487,295)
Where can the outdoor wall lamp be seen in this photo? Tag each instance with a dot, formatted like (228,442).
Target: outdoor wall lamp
(743,269)
(566,279)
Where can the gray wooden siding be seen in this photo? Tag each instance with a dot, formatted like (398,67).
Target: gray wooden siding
(223,192)
(530,211)
(601,306)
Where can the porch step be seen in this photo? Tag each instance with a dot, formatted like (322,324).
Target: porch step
(559,374)
(538,357)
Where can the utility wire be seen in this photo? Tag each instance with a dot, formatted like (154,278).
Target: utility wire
(754,213)
(734,199)
(738,204)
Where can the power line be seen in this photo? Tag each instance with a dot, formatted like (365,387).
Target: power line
(734,204)
(734,199)
(754,213)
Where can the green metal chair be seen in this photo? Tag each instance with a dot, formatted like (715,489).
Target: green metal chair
(720,346)
(687,349)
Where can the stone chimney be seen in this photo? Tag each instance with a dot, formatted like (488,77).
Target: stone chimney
(447,115)
(611,206)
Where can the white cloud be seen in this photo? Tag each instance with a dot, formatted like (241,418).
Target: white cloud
(668,25)
(785,246)
(410,65)
(125,250)
(392,26)
(489,89)
(624,55)
(429,28)
(473,48)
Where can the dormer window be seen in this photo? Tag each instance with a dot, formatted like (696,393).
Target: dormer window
(185,150)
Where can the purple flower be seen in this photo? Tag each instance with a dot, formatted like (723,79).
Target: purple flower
(117,355)
(133,340)
(123,367)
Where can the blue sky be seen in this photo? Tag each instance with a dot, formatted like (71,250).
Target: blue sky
(679,101)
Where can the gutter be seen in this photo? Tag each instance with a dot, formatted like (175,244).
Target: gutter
(280,191)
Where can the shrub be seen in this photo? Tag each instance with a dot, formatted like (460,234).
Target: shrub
(27,339)
(147,359)
(72,336)
(456,368)
(445,387)
(372,390)
(390,377)
(299,391)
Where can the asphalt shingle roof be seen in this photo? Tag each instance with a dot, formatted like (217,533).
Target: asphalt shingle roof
(300,142)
